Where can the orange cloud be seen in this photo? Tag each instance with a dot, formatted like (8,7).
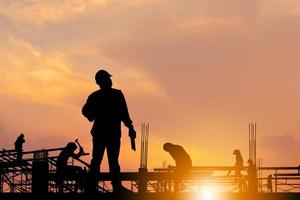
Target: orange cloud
(140,82)
(207,23)
(33,74)
(40,12)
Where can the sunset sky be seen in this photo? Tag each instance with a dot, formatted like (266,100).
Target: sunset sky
(198,71)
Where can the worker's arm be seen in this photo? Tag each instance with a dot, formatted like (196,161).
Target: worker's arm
(76,156)
(88,109)
(127,121)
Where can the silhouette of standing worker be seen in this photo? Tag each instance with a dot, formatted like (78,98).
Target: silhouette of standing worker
(238,166)
(107,109)
(64,170)
(269,183)
(182,160)
(19,146)
(252,177)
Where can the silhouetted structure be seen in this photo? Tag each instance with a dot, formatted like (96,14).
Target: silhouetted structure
(17,177)
(252,141)
(143,170)
(269,183)
(63,170)
(107,109)
(40,177)
(252,177)
(182,160)
(19,146)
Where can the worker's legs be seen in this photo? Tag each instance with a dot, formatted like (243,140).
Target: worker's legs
(19,154)
(74,173)
(113,151)
(97,156)
(60,176)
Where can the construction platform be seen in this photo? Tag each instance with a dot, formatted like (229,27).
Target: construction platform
(37,171)
(18,177)
(151,196)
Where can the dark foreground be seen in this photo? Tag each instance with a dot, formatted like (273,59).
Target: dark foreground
(161,196)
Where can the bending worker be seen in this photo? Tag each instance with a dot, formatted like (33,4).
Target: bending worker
(182,160)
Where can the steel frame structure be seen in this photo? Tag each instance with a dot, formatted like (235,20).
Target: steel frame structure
(17,176)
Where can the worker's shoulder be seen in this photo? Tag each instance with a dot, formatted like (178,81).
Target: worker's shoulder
(116,91)
(98,93)
(94,94)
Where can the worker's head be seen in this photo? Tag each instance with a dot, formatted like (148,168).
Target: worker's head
(71,146)
(236,152)
(21,135)
(103,79)
(250,162)
(167,146)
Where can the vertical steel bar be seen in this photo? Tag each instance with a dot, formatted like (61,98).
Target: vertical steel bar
(249,140)
(147,140)
(254,143)
(143,151)
(142,147)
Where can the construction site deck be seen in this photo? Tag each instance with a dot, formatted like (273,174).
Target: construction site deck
(18,181)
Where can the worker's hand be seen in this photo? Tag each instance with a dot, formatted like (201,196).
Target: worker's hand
(132,133)
(81,151)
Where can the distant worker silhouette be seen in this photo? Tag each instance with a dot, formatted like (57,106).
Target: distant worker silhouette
(182,159)
(107,108)
(269,183)
(252,177)
(238,166)
(63,170)
(19,146)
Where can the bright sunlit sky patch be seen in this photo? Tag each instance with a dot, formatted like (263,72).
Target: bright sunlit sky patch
(197,71)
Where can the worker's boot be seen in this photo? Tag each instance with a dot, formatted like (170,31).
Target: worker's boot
(119,188)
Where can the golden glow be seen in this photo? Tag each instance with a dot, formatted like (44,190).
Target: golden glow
(38,75)
(142,82)
(207,192)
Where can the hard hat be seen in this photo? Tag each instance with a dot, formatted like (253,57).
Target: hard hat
(167,146)
(102,74)
(250,161)
(236,151)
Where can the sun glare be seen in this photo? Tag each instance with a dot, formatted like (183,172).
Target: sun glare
(207,193)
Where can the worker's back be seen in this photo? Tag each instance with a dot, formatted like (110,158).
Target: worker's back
(180,156)
(107,108)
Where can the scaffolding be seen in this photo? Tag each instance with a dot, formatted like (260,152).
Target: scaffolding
(16,176)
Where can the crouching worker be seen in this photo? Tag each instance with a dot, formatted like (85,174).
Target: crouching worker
(65,171)
(182,160)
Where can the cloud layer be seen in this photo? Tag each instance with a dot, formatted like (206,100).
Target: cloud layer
(198,71)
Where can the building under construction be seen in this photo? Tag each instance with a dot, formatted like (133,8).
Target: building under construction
(35,174)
